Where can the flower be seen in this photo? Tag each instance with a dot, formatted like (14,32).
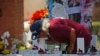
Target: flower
(1,44)
(37,15)
(6,51)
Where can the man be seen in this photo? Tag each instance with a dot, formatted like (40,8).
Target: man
(66,31)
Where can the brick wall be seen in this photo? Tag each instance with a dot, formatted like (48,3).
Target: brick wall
(12,17)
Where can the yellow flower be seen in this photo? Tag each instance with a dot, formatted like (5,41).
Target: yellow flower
(6,51)
(38,15)
(1,44)
(22,47)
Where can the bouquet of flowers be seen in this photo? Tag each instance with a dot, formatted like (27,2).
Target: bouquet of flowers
(37,15)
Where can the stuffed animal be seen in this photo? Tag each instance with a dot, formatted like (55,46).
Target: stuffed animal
(4,43)
(27,35)
(4,38)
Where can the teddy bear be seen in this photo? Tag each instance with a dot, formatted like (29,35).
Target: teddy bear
(4,43)
(4,38)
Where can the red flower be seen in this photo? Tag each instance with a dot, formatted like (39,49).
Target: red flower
(37,15)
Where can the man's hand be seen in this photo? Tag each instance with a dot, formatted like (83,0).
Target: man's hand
(70,49)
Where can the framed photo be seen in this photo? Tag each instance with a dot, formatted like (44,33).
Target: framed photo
(57,8)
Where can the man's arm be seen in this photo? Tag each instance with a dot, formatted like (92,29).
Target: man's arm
(72,40)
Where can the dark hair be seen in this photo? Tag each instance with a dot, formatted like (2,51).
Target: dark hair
(36,26)
(58,1)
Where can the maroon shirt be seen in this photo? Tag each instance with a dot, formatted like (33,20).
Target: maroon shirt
(60,31)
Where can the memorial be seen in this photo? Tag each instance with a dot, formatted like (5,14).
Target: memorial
(63,28)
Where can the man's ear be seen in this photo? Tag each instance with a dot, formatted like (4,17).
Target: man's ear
(43,34)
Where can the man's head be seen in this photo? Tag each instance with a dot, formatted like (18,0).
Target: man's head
(35,28)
